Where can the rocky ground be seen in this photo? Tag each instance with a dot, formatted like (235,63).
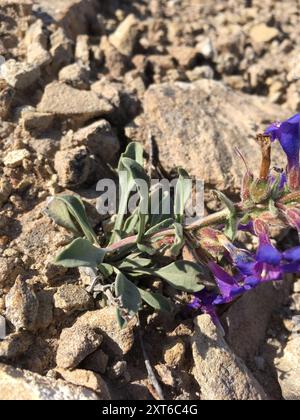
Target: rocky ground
(81,78)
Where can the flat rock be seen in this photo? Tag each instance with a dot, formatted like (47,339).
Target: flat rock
(288,368)
(73,15)
(15,158)
(221,375)
(116,341)
(262,33)
(20,75)
(75,344)
(99,138)
(70,298)
(197,126)
(246,321)
(124,38)
(17,384)
(14,345)
(22,305)
(65,101)
(73,166)
(87,379)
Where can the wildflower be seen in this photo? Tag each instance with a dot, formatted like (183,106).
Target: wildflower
(288,134)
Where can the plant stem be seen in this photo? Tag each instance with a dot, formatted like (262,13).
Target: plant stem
(212,219)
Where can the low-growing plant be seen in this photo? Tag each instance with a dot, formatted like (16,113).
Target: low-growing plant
(150,246)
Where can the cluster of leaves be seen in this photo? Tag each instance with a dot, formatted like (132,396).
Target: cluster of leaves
(135,247)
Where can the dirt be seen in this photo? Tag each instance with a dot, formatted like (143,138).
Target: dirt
(79,81)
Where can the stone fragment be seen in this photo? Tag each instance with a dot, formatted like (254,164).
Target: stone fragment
(14,345)
(22,306)
(288,368)
(36,121)
(262,33)
(75,344)
(20,75)
(124,38)
(36,41)
(22,385)
(65,101)
(99,138)
(198,125)
(116,341)
(73,167)
(16,158)
(88,380)
(221,375)
(70,298)
(75,75)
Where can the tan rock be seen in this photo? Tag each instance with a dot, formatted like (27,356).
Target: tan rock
(64,101)
(262,33)
(76,343)
(86,379)
(221,375)
(288,368)
(117,341)
(99,138)
(20,75)
(17,384)
(16,158)
(22,306)
(70,298)
(36,121)
(198,125)
(124,38)
(185,56)
(73,167)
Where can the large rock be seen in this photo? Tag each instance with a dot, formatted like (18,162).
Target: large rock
(75,344)
(17,384)
(64,101)
(288,367)
(20,75)
(22,306)
(73,15)
(220,374)
(198,126)
(247,320)
(116,341)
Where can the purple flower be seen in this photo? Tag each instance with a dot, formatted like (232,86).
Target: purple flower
(288,134)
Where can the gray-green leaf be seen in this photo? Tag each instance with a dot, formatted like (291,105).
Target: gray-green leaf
(80,253)
(128,293)
(156,301)
(76,209)
(183,275)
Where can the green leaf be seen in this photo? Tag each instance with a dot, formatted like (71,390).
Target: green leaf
(130,171)
(232,219)
(135,152)
(156,300)
(146,249)
(121,321)
(183,275)
(182,194)
(76,209)
(80,253)
(161,205)
(179,240)
(162,225)
(58,211)
(128,293)
(131,223)
(134,263)
(107,270)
